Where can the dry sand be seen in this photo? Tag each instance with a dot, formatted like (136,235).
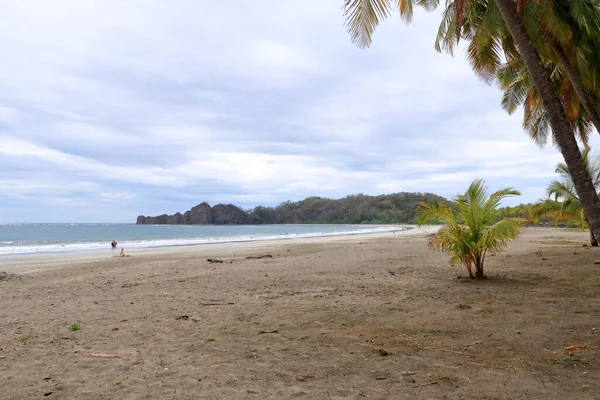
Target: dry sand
(378,316)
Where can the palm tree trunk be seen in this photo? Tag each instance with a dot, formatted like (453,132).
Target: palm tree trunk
(561,128)
(575,80)
(479,267)
(593,240)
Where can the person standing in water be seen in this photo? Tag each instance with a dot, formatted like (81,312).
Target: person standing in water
(113,244)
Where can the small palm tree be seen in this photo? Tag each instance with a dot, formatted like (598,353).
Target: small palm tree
(562,197)
(470,230)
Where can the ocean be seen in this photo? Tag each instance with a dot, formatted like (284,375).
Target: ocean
(32,239)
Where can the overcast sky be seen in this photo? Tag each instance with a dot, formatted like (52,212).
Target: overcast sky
(114,108)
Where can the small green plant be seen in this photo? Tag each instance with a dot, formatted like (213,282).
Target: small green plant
(444,376)
(441,376)
(75,327)
(25,338)
(210,339)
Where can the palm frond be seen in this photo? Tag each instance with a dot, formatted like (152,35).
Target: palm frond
(362,17)
(446,36)
(496,198)
(484,55)
(434,213)
(536,124)
(497,236)
(561,190)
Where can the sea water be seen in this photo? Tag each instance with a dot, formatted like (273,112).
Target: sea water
(23,239)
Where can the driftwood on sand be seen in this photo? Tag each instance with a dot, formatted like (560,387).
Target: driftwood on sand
(259,257)
(220,261)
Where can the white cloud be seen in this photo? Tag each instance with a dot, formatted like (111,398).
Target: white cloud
(8,114)
(109,109)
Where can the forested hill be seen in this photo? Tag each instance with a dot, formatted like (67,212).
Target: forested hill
(354,209)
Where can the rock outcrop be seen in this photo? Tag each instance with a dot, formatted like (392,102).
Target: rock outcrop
(229,214)
(202,214)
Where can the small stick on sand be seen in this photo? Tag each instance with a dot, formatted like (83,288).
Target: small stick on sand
(259,257)
(273,331)
(473,344)
(592,377)
(217,304)
(474,363)
(427,384)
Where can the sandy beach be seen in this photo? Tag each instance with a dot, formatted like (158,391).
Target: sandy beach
(371,316)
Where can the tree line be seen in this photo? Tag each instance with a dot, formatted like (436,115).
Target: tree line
(354,209)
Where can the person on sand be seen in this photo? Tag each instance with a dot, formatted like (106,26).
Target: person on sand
(121,253)
(113,244)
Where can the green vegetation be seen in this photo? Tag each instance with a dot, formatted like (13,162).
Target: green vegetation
(470,230)
(562,202)
(75,327)
(210,339)
(355,209)
(443,376)
(543,54)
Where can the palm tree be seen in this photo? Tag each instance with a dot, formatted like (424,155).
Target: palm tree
(562,197)
(365,15)
(470,230)
(557,118)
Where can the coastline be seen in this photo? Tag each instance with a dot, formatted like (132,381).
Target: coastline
(32,263)
(21,240)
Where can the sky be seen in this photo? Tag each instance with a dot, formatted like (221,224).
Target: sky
(114,108)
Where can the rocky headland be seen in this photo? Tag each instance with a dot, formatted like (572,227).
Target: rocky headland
(202,214)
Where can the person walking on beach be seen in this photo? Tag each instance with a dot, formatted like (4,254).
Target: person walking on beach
(113,244)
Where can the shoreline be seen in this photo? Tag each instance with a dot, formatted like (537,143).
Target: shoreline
(135,243)
(34,263)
